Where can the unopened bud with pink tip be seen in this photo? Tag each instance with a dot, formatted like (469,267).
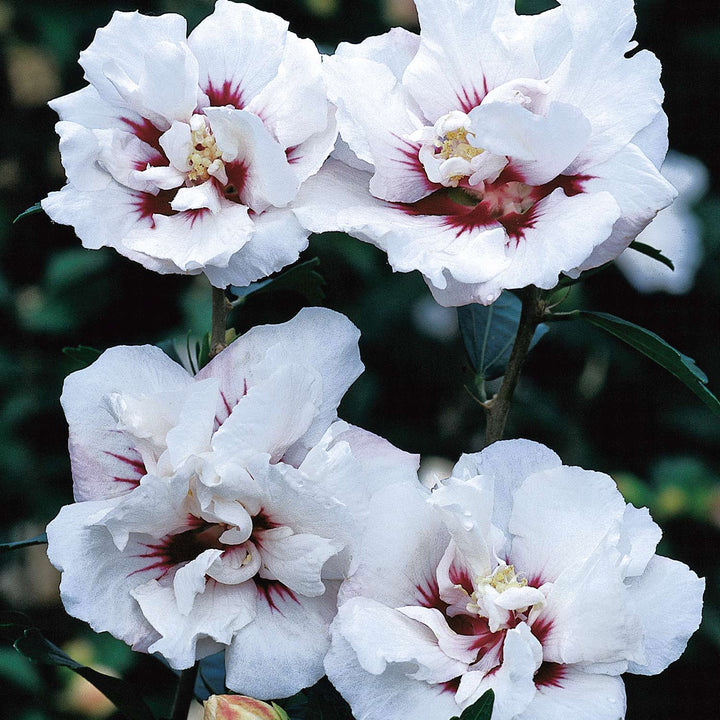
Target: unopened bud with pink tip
(241,707)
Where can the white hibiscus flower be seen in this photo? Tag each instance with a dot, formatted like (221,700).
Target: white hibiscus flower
(495,150)
(676,232)
(218,511)
(517,574)
(184,154)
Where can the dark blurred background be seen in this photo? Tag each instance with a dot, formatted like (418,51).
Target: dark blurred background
(596,403)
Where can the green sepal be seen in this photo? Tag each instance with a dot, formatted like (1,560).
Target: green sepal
(480,710)
(36,208)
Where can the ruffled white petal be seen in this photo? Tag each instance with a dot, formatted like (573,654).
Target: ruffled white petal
(508,462)
(193,239)
(282,650)
(513,682)
(96,578)
(550,536)
(541,146)
(217,613)
(667,598)
(336,360)
(101,457)
(578,696)
(394,638)
(639,190)
(592,620)
(461,57)
(391,695)
(123,44)
(296,560)
(243,139)
(277,240)
(238,47)
(359,87)
(293,105)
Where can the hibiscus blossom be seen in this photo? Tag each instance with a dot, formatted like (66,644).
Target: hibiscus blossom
(217,511)
(517,574)
(183,154)
(495,150)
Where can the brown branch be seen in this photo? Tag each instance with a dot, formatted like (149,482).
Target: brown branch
(220,309)
(498,408)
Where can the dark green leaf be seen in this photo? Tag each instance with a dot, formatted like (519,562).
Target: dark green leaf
(125,697)
(211,676)
(652,252)
(13,624)
(83,355)
(38,540)
(301,278)
(203,351)
(36,648)
(652,345)
(488,332)
(481,710)
(36,208)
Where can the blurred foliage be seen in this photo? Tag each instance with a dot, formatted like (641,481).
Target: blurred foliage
(596,402)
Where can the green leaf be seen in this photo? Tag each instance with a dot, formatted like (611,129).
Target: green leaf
(652,345)
(301,278)
(211,676)
(125,697)
(36,208)
(83,355)
(652,252)
(38,540)
(203,351)
(488,332)
(480,710)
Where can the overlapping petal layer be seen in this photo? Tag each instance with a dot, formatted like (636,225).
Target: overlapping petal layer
(183,152)
(517,574)
(220,511)
(495,150)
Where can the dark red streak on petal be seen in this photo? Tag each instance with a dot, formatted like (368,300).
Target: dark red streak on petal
(451,686)
(429,595)
(407,155)
(237,177)
(146,132)
(541,628)
(261,522)
(460,576)
(488,213)
(181,548)
(130,481)
(550,674)
(137,465)
(273,591)
(227,94)
(147,204)
(470,99)
(292,154)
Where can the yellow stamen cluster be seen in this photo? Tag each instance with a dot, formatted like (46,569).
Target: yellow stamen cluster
(505,577)
(205,152)
(455,144)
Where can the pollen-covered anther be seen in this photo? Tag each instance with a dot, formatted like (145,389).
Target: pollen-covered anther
(449,154)
(505,577)
(205,159)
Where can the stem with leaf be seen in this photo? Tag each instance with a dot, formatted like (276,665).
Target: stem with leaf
(533,309)
(184,693)
(220,309)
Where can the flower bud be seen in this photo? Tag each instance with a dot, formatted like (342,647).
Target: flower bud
(241,707)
